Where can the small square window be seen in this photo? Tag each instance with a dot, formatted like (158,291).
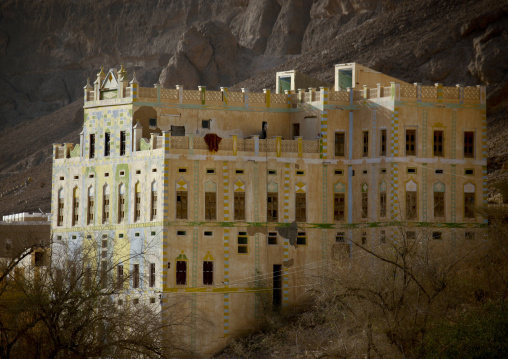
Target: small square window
(383,171)
(138,172)
(91,176)
(364,172)
(469,235)
(239,172)
(439,172)
(76,177)
(135,301)
(210,171)
(122,173)
(60,237)
(120,235)
(411,170)
(74,237)
(208,233)
(154,169)
(411,235)
(339,172)
(89,236)
(272,172)
(205,124)
(152,122)
(182,170)
(136,234)
(104,243)
(106,174)
(104,236)
(469,172)
(120,302)
(152,300)
(61,178)
(340,237)
(272,238)
(181,233)
(152,233)
(437,235)
(364,238)
(301,239)
(300,173)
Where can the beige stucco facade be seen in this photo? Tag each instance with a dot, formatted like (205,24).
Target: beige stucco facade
(336,162)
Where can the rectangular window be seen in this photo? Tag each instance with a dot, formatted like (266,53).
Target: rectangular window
(75,209)
(410,142)
(469,235)
(119,276)
(121,207)
(181,272)
(272,238)
(383,143)
(272,206)
(365,204)
(439,204)
(91,204)
(382,204)
(207,273)
(239,198)
(107,144)
(38,259)
(105,208)
(365,152)
(469,210)
(300,207)
(468,144)
(301,239)
(364,238)
(92,146)
(210,206)
(438,144)
(243,243)
(181,205)
(339,206)
(60,212)
(104,274)
(383,236)
(153,211)
(135,276)
(152,275)
(340,237)
(340,144)
(296,129)
(122,143)
(137,207)
(437,235)
(411,205)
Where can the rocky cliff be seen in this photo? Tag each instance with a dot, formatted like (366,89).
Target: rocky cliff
(49,47)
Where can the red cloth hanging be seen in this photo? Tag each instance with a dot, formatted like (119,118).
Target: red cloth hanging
(212,140)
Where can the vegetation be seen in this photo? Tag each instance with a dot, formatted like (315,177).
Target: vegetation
(413,296)
(77,308)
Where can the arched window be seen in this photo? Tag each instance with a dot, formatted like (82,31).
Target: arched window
(137,202)
(75,206)
(91,205)
(60,207)
(382,199)
(153,200)
(439,200)
(105,204)
(411,200)
(121,203)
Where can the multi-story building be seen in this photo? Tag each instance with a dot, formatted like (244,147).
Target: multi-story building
(237,197)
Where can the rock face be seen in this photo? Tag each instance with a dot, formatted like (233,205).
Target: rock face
(49,47)
(207,55)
